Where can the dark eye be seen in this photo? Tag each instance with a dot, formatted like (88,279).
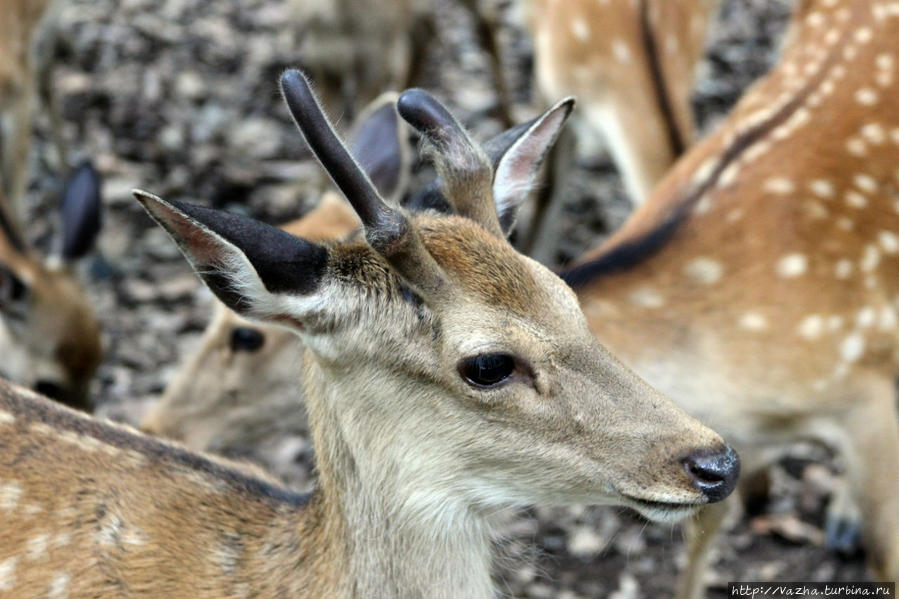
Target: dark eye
(487,370)
(246,339)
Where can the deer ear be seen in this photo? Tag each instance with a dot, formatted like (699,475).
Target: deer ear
(80,212)
(517,156)
(256,270)
(378,144)
(13,294)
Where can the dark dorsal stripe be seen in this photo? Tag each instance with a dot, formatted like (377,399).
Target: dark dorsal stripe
(629,252)
(657,75)
(37,409)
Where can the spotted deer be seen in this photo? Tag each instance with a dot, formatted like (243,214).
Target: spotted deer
(758,286)
(24,76)
(446,376)
(237,393)
(49,336)
(631,65)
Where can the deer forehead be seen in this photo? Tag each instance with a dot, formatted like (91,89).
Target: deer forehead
(487,268)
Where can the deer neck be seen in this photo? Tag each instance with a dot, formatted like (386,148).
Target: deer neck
(400,536)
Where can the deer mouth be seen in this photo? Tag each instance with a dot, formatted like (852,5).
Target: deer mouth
(661,511)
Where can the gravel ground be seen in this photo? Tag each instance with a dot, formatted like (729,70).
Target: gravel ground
(180,97)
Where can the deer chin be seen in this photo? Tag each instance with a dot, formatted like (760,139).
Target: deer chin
(667,512)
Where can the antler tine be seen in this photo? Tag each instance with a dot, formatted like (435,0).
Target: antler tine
(383,224)
(464,168)
(387,230)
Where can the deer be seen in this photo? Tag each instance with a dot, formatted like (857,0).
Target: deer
(631,65)
(355,51)
(757,287)
(49,335)
(238,390)
(447,376)
(25,30)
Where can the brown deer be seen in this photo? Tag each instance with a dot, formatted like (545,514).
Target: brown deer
(758,286)
(447,376)
(49,336)
(631,65)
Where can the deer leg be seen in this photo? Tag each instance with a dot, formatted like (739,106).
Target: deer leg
(843,522)
(701,534)
(872,466)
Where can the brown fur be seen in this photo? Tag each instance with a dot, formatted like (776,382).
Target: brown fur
(597,51)
(777,289)
(57,337)
(413,458)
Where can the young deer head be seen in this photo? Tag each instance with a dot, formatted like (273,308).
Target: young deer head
(447,376)
(49,337)
(758,286)
(239,388)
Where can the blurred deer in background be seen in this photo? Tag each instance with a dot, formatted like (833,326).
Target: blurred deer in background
(239,388)
(631,65)
(447,376)
(49,337)
(356,50)
(759,285)
(25,26)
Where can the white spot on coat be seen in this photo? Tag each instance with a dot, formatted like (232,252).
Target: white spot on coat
(792,265)
(704,270)
(621,51)
(843,268)
(6,417)
(866,96)
(580,29)
(822,188)
(865,317)
(856,200)
(647,298)
(865,182)
(779,185)
(811,326)
(852,347)
(37,546)
(870,258)
(753,321)
(889,241)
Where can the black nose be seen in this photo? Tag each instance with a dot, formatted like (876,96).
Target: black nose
(49,389)
(714,473)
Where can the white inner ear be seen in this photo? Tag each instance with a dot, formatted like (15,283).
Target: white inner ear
(517,170)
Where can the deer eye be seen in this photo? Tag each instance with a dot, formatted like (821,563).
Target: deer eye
(246,339)
(487,370)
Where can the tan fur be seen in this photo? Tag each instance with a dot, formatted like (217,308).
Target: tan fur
(770,313)
(595,50)
(412,460)
(221,400)
(56,338)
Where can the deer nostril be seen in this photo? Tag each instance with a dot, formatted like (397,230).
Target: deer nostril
(715,474)
(49,389)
